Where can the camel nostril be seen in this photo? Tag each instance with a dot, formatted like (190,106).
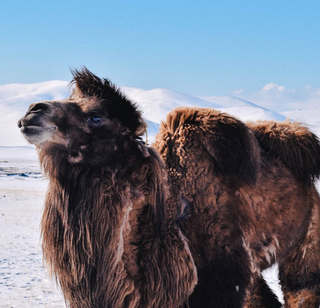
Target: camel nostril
(19,124)
(38,107)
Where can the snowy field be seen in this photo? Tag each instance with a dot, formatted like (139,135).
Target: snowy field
(23,279)
(24,282)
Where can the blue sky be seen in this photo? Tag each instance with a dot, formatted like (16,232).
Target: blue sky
(198,47)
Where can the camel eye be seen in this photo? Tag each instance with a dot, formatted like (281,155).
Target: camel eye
(95,119)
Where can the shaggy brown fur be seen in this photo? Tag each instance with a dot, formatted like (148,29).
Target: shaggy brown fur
(106,235)
(295,145)
(249,202)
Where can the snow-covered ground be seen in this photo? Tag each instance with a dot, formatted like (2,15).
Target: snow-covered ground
(23,280)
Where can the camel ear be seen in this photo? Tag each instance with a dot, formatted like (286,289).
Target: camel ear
(233,146)
(143,148)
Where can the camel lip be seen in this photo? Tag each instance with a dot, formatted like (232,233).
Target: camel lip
(33,129)
(38,134)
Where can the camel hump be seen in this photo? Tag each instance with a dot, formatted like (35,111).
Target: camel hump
(296,146)
(230,143)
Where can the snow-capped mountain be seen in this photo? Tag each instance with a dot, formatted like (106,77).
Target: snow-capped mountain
(310,116)
(155,104)
(158,102)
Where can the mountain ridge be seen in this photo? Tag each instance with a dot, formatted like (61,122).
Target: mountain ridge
(154,104)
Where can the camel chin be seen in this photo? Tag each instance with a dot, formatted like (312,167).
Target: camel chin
(37,135)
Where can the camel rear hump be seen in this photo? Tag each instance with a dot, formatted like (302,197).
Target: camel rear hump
(294,144)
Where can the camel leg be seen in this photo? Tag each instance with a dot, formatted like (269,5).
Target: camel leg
(223,283)
(299,271)
(261,296)
(301,289)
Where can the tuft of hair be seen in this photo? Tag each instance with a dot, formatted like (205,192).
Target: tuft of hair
(294,144)
(229,141)
(119,106)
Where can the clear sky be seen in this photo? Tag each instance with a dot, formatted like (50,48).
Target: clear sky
(199,47)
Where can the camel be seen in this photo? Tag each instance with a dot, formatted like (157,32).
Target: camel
(249,202)
(111,228)
(108,235)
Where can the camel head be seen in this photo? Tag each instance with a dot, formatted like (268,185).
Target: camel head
(96,121)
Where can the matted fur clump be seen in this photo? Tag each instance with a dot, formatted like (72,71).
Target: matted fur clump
(107,234)
(294,144)
(249,202)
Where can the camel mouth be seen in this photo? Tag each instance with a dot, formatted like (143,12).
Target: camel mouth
(37,134)
(29,130)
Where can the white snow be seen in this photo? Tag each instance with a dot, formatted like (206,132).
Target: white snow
(271,276)
(310,116)
(158,102)
(23,280)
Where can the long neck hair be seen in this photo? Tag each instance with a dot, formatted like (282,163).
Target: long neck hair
(86,211)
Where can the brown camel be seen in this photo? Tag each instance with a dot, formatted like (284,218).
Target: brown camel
(249,202)
(107,236)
